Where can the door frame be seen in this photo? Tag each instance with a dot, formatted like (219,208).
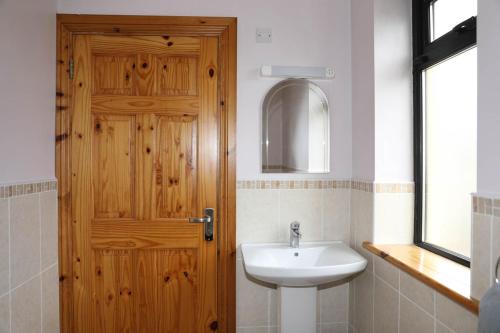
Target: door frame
(224,28)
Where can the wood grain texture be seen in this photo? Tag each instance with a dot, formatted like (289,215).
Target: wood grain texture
(177,76)
(112,74)
(153,45)
(145,83)
(63,173)
(113,157)
(227,256)
(81,187)
(176,166)
(146,104)
(146,116)
(208,158)
(144,235)
(104,163)
(144,291)
(443,275)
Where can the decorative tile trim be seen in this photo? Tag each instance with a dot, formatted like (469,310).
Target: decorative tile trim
(394,188)
(360,185)
(293,184)
(14,190)
(486,206)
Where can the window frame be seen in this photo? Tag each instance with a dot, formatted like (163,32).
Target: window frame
(425,55)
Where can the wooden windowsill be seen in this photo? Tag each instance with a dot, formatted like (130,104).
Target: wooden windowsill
(441,274)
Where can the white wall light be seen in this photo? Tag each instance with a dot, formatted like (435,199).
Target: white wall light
(299,72)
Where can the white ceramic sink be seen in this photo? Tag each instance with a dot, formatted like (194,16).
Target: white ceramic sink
(312,264)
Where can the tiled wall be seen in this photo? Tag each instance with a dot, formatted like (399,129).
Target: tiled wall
(485,242)
(29,287)
(389,300)
(383,298)
(264,212)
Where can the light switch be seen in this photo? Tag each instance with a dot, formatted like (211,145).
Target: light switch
(264,35)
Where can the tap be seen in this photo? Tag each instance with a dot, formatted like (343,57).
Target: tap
(295,234)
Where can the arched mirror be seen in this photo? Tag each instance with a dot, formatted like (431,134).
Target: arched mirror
(295,128)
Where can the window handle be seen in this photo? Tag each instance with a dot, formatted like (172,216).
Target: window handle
(467,25)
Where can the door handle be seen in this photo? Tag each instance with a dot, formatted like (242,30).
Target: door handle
(208,220)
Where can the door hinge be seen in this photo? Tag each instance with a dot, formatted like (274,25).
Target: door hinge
(71,69)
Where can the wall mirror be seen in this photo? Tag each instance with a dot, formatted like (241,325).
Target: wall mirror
(295,128)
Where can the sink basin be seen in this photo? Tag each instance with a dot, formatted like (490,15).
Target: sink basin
(298,272)
(312,264)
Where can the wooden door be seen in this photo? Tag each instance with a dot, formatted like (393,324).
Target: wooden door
(144,159)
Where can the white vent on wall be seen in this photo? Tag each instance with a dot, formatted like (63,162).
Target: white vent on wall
(299,72)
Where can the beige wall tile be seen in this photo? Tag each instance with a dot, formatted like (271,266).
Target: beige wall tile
(440,328)
(333,328)
(4,314)
(4,246)
(455,316)
(274,310)
(50,300)
(362,214)
(334,304)
(303,206)
(252,300)
(413,319)
(336,214)
(393,216)
(495,246)
(252,330)
(273,329)
(26,307)
(49,225)
(386,308)
(257,216)
(418,292)
(386,271)
(352,298)
(362,220)
(25,238)
(481,255)
(364,303)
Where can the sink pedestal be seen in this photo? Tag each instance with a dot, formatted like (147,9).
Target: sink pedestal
(298,309)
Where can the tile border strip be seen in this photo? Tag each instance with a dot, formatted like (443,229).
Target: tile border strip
(359,185)
(394,187)
(486,205)
(292,184)
(14,190)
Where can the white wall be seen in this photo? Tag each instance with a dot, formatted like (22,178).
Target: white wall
(304,33)
(363,98)
(393,91)
(27,89)
(488,103)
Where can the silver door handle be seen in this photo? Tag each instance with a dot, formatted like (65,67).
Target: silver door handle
(205,219)
(208,220)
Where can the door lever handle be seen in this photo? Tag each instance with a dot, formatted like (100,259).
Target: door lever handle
(205,219)
(208,220)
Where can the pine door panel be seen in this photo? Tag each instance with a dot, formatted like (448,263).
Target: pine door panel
(144,159)
(177,76)
(112,74)
(113,157)
(175,166)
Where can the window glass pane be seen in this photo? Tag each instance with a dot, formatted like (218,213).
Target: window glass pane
(450,115)
(446,14)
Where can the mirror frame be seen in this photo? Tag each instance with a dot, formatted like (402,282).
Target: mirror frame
(265,121)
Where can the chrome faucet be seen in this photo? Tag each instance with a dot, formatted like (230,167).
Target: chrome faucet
(295,234)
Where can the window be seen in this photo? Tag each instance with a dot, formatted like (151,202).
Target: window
(445,117)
